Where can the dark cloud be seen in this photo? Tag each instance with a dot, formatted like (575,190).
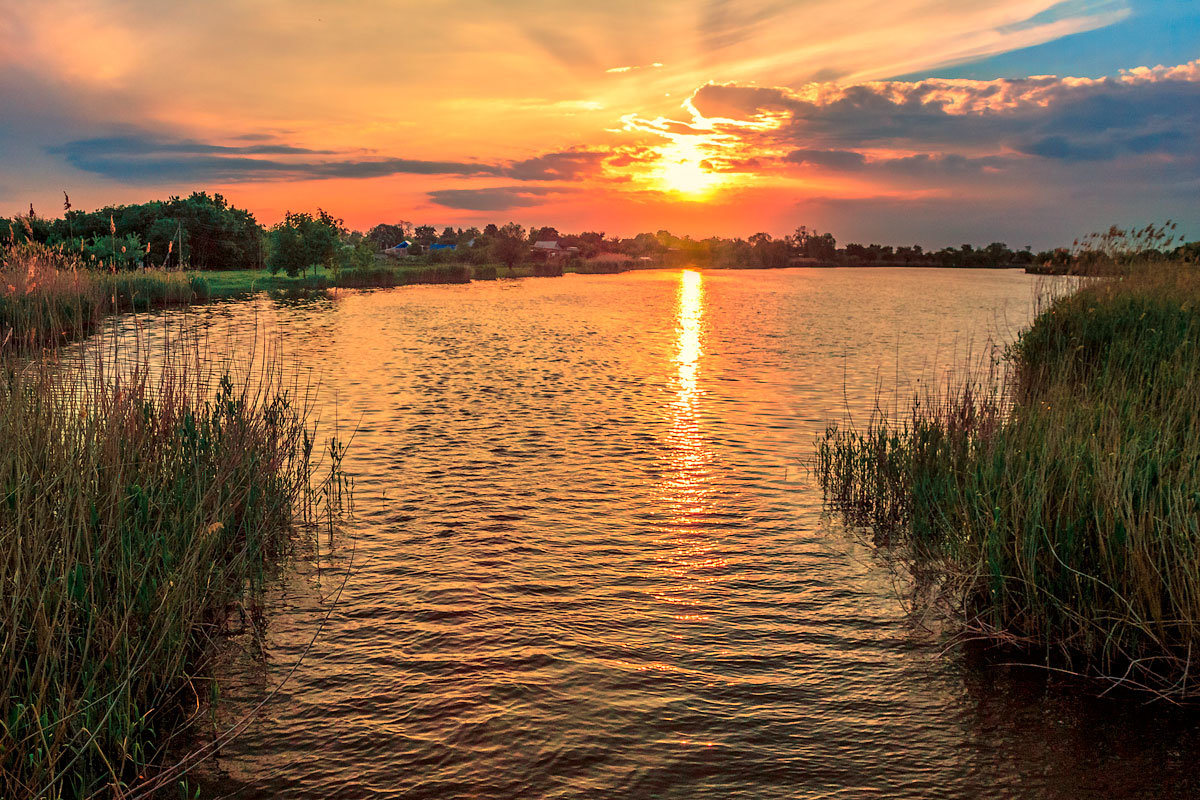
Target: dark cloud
(919,164)
(496,198)
(148,158)
(564,166)
(835,159)
(134,145)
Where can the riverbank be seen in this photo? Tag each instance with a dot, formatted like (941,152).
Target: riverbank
(223,284)
(147,497)
(1056,506)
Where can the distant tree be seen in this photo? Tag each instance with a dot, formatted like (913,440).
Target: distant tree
(358,254)
(856,252)
(1189,253)
(590,243)
(425,235)
(811,244)
(996,254)
(385,235)
(509,245)
(302,240)
(646,244)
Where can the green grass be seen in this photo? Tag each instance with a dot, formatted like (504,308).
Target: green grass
(245,282)
(144,499)
(1060,505)
(140,511)
(227,283)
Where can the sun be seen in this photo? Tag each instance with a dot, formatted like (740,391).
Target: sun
(681,169)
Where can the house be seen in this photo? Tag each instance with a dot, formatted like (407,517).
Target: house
(551,249)
(399,251)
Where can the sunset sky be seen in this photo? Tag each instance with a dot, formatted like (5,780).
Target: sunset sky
(901,121)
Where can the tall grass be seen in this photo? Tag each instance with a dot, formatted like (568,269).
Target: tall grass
(377,277)
(144,498)
(48,295)
(1061,503)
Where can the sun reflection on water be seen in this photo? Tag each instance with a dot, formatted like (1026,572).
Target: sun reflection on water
(686,489)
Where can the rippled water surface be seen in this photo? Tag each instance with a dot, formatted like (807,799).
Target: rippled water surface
(588,560)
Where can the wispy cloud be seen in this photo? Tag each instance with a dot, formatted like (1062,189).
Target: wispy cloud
(633,68)
(495,198)
(149,158)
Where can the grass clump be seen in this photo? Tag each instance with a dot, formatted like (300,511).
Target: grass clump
(383,277)
(141,507)
(48,296)
(1060,503)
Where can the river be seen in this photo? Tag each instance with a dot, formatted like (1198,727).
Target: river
(589,561)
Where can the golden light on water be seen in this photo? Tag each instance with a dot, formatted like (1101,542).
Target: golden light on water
(689,319)
(686,490)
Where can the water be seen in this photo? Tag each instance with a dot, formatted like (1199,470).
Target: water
(589,562)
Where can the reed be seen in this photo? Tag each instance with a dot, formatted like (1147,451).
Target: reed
(47,295)
(1058,499)
(381,277)
(146,494)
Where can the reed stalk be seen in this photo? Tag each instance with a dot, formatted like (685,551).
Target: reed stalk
(1057,498)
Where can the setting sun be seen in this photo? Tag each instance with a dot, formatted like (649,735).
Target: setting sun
(681,169)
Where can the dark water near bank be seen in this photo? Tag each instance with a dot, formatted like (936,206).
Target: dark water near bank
(589,563)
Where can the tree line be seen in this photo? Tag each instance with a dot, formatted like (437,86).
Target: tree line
(205,231)
(200,231)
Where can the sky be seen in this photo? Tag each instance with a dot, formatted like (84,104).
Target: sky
(933,122)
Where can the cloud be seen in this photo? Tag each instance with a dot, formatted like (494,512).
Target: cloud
(495,198)
(563,166)
(835,159)
(134,145)
(633,68)
(946,127)
(150,158)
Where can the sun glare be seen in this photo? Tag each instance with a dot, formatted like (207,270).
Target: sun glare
(681,169)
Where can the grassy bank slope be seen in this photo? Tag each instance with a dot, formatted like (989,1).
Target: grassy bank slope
(1061,511)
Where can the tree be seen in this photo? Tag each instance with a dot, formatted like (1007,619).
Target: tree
(425,235)
(509,245)
(302,241)
(810,244)
(384,235)
(547,234)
